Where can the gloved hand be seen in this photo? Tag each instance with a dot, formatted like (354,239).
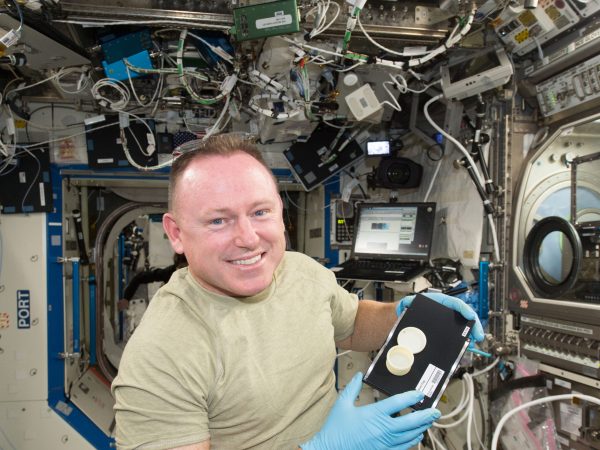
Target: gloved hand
(372,427)
(453,303)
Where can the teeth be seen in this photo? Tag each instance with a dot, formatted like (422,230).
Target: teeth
(245,262)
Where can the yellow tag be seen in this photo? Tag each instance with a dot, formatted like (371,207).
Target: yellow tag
(496,22)
(527,18)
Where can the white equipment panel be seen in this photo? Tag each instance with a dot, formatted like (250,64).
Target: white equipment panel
(520,30)
(23,291)
(586,43)
(569,89)
(33,425)
(26,420)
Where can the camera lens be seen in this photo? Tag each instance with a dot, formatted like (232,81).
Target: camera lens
(398,173)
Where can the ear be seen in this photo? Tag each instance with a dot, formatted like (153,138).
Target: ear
(173,232)
(282,211)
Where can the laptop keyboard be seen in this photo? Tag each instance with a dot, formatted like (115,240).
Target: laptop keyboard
(381,266)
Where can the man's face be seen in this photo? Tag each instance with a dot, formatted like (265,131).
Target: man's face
(227,219)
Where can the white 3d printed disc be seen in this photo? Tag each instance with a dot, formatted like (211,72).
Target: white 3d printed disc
(399,360)
(412,338)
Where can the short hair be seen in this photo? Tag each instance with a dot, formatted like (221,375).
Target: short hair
(219,145)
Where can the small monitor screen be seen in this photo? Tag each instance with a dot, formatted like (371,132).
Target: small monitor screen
(378,148)
(473,66)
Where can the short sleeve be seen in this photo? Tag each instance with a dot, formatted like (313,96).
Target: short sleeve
(344,306)
(161,390)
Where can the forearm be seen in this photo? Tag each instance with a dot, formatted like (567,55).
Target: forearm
(373,322)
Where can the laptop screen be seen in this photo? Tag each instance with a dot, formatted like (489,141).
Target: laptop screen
(394,231)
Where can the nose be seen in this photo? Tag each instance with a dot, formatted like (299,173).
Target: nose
(245,234)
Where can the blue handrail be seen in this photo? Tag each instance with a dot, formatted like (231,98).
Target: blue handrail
(76,306)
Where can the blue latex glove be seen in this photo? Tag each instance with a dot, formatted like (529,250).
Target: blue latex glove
(372,427)
(453,303)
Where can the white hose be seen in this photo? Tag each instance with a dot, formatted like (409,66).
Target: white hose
(486,369)
(538,401)
(464,151)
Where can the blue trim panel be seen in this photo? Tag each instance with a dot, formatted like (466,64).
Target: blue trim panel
(56,330)
(331,187)
(484,307)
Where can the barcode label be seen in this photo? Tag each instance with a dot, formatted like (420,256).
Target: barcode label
(276,21)
(430,380)
(10,38)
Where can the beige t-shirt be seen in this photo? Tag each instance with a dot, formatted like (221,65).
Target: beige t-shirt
(253,373)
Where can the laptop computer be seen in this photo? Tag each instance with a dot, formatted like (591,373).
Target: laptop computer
(392,242)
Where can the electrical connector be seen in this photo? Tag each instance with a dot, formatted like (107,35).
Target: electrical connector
(228,83)
(95,119)
(123,120)
(151,144)
(10,126)
(222,53)
(10,38)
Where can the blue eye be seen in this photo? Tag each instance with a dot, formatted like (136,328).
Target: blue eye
(217,221)
(261,212)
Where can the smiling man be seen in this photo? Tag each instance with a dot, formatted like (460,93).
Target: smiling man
(237,350)
(226,216)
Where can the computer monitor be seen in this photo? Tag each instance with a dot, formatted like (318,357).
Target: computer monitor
(476,74)
(394,230)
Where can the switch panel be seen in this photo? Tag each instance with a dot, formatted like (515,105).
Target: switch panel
(571,88)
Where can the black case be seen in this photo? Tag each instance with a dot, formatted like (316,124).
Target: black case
(447,334)
(305,161)
(25,184)
(105,149)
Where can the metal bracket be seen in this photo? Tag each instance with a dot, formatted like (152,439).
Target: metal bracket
(66,259)
(69,356)
(430,16)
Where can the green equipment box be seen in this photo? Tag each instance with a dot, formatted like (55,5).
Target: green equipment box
(266,19)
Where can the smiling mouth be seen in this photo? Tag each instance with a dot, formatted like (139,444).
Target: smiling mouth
(247,262)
